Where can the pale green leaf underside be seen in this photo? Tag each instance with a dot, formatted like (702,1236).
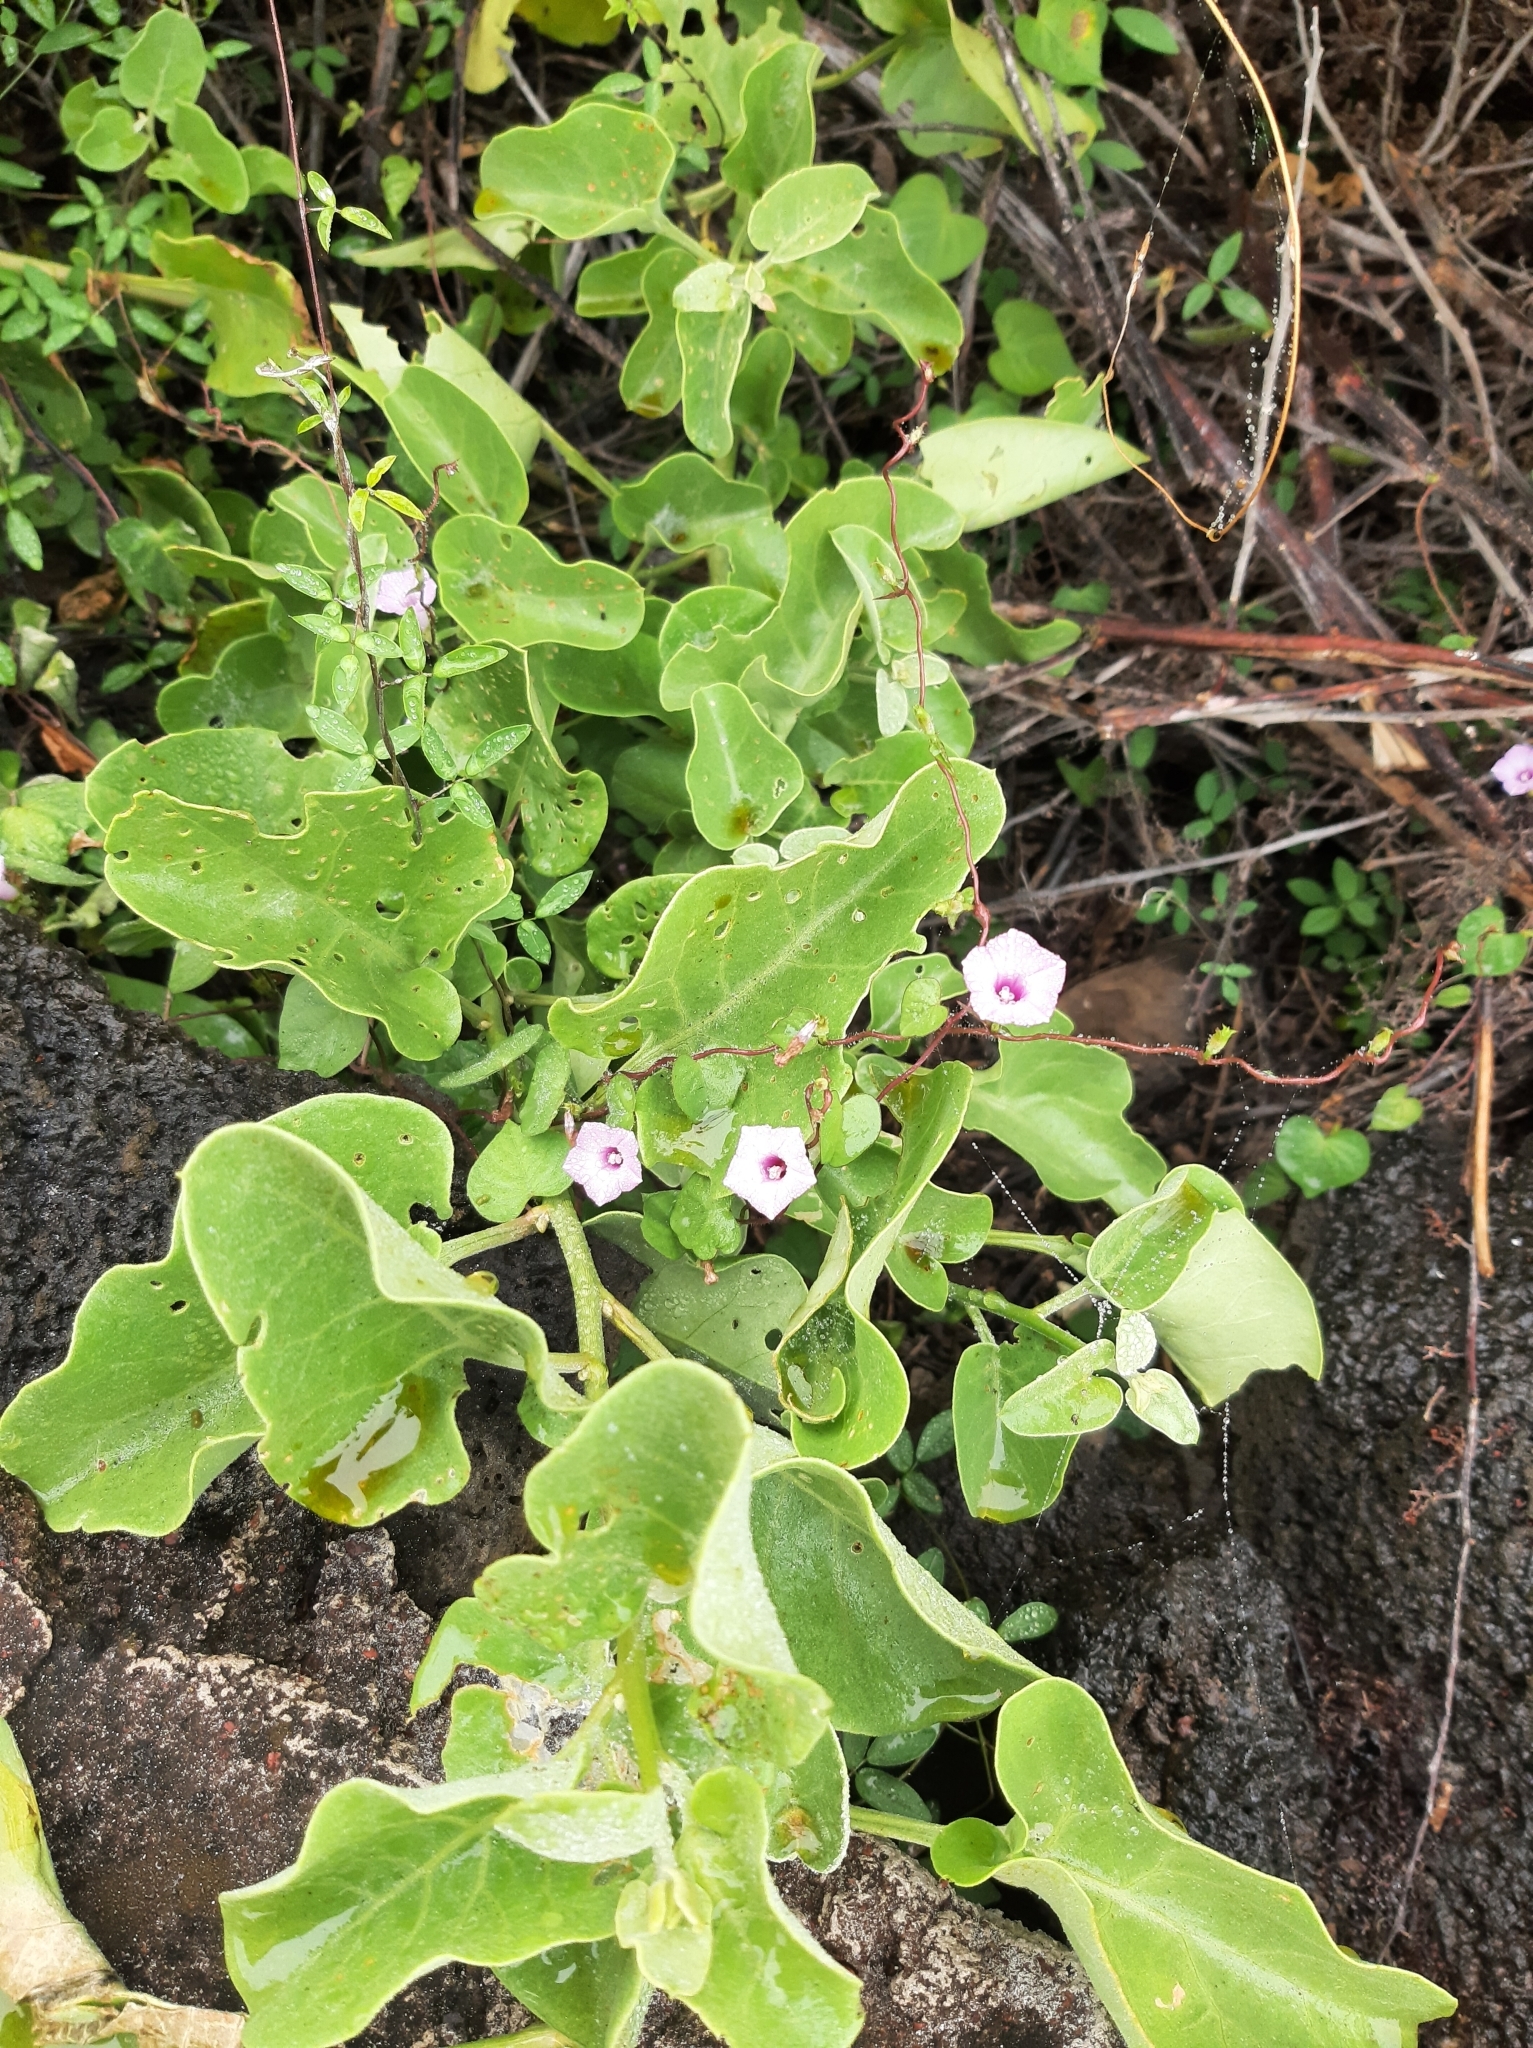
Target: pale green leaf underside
(991,470)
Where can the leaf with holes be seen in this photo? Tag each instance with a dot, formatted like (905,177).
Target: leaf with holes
(145,1411)
(740,776)
(351,901)
(244,769)
(735,1321)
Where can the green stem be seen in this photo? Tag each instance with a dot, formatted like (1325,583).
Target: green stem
(457,1249)
(1068,1254)
(633,1674)
(874,56)
(133,284)
(624,1320)
(866,1822)
(585,1284)
(991,1303)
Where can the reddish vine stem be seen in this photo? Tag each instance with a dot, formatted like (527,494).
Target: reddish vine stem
(955,1027)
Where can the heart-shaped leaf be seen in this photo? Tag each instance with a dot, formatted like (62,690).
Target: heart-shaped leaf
(1317,1161)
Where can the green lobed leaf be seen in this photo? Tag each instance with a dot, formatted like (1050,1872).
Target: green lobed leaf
(763,1965)
(743,956)
(941,240)
(736,1321)
(1184,1947)
(869,274)
(351,901)
(1005,1478)
(740,776)
(597,170)
(499,583)
(144,1412)
(243,769)
(391,1883)
(1060,1107)
(992,470)
(915,1656)
(1033,355)
(352,1337)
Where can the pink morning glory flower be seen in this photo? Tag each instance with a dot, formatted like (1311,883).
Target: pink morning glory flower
(770,1168)
(1013,980)
(8,890)
(604,1161)
(405,590)
(1514,771)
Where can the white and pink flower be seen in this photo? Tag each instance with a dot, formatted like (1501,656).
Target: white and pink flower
(1514,771)
(405,590)
(604,1161)
(8,890)
(1013,980)
(770,1168)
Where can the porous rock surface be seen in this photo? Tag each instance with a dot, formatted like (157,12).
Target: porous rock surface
(183,1704)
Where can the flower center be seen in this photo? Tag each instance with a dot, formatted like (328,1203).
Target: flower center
(612,1157)
(1010,989)
(773,1169)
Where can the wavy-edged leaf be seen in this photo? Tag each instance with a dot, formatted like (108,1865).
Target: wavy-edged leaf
(244,769)
(391,1883)
(802,646)
(590,1991)
(1060,1107)
(743,956)
(778,112)
(501,584)
(1185,1948)
(143,1414)
(596,171)
(916,1656)
(764,1966)
(352,1338)
(255,308)
(350,901)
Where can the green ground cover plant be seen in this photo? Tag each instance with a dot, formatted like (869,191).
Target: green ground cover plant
(399,735)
